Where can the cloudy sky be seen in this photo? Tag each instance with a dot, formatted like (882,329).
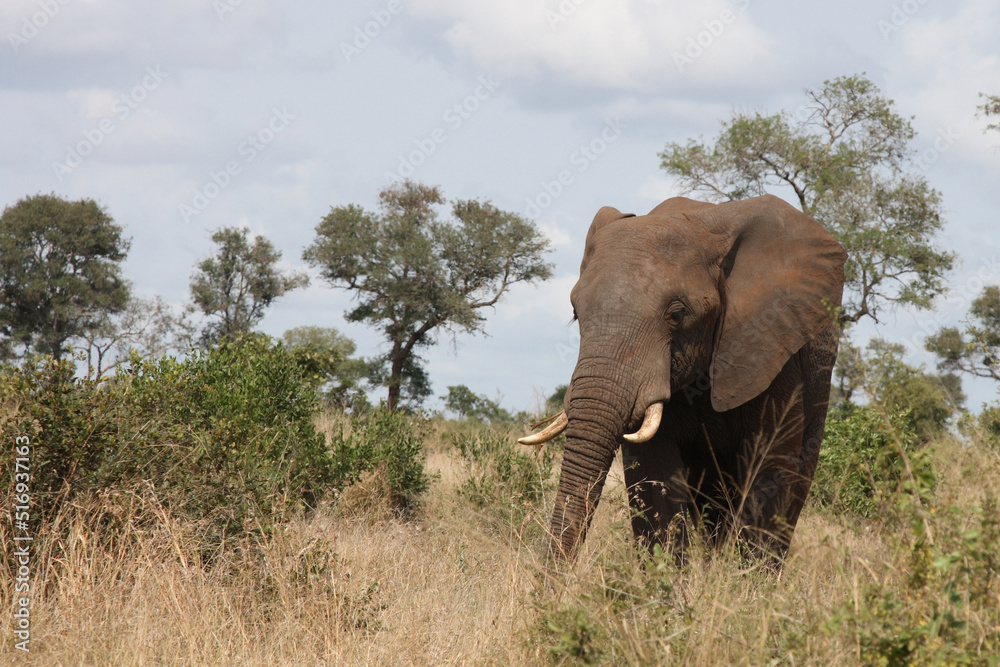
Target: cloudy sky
(184,116)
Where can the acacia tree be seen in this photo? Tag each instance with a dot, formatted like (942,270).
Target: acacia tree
(413,274)
(469,405)
(60,272)
(991,109)
(976,349)
(879,372)
(238,283)
(149,327)
(845,157)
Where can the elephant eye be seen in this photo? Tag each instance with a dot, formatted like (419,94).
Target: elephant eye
(676,315)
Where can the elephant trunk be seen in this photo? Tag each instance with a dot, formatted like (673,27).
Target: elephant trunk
(599,412)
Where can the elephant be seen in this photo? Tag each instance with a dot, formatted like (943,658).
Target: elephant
(708,334)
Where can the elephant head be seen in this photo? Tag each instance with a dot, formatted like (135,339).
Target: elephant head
(692,299)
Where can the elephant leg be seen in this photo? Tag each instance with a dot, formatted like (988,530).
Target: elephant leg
(774,489)
(658,493)
(820,357)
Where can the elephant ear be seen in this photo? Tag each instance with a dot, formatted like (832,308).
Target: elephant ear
(606,215)
(783,278)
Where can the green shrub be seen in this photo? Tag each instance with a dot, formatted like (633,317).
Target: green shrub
(71,429)
(224,438)
(868,462)
(634,612)
(390,444)
(989,422)
(500,476)
(574,638)
(244,421)
(944,611)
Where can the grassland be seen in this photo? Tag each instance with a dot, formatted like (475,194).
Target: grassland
(460,582)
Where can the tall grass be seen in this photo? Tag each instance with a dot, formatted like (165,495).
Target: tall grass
(450,583)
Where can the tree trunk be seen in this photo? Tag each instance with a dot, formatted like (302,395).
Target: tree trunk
(395,376)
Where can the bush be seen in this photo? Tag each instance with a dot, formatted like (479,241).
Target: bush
(574,638)
(390,445)
(325,358)
(557,401)
(224,438)
(944,610)
(500,477)
(70,427)
(868,460)
(989,422)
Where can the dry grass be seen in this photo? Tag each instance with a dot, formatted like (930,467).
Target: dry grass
(360,588)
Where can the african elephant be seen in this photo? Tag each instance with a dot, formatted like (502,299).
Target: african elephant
(707,339)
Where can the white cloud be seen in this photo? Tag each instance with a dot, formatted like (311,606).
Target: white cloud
(94,102)
(94,37)
(656,189)
(955,58)
(557,235)
(547,303)
(632,46)
(560,81)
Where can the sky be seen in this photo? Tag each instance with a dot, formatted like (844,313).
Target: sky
(185,116)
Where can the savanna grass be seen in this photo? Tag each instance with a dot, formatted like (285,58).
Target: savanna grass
(441,585)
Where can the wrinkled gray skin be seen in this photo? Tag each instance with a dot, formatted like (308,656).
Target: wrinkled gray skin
(727,314)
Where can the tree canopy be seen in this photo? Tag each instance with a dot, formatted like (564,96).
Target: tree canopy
(991,109)
(469,405)
(976,348)
(60,272)
(326,358)
(926,400)
(413,274)
(235,285)
(147,327)
(845,158)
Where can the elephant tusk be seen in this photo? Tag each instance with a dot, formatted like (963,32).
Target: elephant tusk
(550,431)
(650,424)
